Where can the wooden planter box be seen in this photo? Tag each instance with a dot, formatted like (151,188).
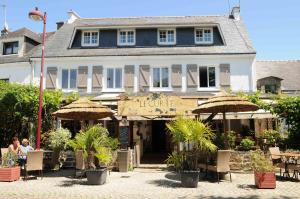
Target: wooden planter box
(265,180)
(10,174)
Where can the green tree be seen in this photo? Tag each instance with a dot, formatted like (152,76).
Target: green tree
(19,107)
(286,107)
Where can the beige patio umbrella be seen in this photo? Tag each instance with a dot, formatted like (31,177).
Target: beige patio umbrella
(83,109)
(223,103)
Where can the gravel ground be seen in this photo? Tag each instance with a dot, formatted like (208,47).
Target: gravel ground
(142,183)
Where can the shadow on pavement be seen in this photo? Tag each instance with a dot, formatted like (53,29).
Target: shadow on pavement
(165,183)
(70,183)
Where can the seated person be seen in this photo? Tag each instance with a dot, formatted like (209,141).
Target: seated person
(15,146)
(25,147)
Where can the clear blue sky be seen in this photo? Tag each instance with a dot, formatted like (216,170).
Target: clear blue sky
(273,25)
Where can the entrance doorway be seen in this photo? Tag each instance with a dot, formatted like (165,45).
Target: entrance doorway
(160,145)
(158,137)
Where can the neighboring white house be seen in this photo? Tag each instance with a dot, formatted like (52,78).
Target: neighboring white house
(14,55)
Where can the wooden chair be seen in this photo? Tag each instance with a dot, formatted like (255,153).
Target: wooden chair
(34,163)
(222,166)
(79,163)
(277,161)
(3,151)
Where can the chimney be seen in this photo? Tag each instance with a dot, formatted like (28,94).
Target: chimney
(235,13)
(72,16)
(59,24)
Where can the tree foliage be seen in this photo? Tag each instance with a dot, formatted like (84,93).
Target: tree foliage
(19,108)
(286,107)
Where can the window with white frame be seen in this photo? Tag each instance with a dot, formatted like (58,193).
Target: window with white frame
(167,37)
(126,37)
(207,77)
(68,78)
(90,38)
(160,77)
(204,36)
(114,78)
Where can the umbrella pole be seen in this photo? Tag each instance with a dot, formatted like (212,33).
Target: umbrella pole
(224,130)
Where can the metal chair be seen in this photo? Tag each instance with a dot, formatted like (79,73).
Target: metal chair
(277,161)
(34,163)
(222,166)
(79,163)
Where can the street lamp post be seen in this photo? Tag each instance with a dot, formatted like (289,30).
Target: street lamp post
(37,15)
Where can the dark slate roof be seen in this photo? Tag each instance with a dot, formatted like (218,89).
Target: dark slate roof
(23,32)
(288,70)
(234,32)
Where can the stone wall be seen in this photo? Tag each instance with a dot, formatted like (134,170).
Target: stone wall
(240,161)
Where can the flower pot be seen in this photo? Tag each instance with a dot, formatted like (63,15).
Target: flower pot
(123,160)
(97,176)
(265,180)
(189,179)
(10,174)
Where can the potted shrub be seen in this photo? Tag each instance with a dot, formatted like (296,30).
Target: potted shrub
(57,141)
(97,149)
(196,136)
(9,170)
(264,171)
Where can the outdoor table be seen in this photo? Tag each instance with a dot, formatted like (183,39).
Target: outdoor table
(286,161)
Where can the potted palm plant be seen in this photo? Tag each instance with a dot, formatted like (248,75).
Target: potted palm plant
(264,171)
(196,136)
(97,149)
(9,170)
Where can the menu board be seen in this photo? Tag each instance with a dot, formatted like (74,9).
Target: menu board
(124,136)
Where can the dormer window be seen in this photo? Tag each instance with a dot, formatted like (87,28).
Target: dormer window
(90,38)
(126,37)
(167,37)
(10,48)
(204,36)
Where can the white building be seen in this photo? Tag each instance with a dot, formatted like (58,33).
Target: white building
(188,57)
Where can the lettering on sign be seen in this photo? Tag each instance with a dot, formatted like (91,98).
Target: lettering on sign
(156,105)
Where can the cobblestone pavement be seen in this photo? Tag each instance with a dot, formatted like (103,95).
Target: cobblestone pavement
(140,184)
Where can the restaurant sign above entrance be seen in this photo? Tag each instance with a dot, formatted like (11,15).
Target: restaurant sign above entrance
(156,104)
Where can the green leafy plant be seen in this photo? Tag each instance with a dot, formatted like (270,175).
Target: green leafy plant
(271,136)
(94,142)
(247,144)
(9,160)
(284,106)
(175,160)
(231,138)
(196,134)
(260,163)
(59,138)
(19,107)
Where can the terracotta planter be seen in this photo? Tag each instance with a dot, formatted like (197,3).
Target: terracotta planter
(10,174)
(265,180)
